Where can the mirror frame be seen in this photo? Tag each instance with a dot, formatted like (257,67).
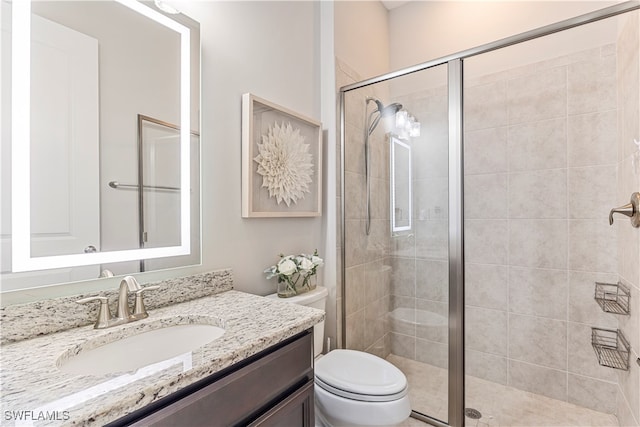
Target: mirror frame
(20,146)
(394,143)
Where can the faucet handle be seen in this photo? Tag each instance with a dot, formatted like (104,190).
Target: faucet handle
(139,310)
(104,315)
(632,210)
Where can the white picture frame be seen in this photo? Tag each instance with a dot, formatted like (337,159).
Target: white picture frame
(267,130)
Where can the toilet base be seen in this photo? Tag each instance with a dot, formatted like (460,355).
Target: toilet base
(336,411)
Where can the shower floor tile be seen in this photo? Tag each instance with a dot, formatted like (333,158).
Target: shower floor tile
(500,405)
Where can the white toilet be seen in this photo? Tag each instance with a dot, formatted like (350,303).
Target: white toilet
(353,388)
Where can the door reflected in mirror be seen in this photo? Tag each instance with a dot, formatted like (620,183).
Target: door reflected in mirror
(79,75)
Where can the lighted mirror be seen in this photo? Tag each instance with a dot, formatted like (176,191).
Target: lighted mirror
(400,180)
(87,186)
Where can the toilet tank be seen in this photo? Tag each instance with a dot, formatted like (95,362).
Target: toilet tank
(316,298)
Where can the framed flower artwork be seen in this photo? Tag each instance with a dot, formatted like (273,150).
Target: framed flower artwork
(281,161)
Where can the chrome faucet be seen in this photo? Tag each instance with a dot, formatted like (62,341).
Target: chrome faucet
(127,285)
(123,314)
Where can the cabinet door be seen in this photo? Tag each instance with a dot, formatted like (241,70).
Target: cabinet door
(295,410)
(239,396)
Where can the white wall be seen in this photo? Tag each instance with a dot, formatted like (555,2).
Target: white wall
(362,36)
(271,49)
(425,30)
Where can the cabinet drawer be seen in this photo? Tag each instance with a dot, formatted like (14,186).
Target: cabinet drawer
(296,410)
(250,390)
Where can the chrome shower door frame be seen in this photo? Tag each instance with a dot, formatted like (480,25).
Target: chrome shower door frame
(454,62)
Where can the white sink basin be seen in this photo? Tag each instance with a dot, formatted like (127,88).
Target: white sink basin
(137,351)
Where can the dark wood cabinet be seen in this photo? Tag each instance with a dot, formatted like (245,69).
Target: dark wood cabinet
(272,388)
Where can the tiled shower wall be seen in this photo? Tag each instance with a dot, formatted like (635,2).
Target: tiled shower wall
(628,69)
(537,232)
(367,272)
(540,178)
(548,151)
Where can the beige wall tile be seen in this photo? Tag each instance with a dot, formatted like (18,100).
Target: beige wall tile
(630,325)
(401,318)
(485,151)
(355,330)
(354,242)
(590,192)
(380,200)
(403,245)
(592,246)
(486,366)
(374,318)
(432,353)
(629,382)
(623,413)
(354,106)
(537,379)
(591,139)
(538,292)
(431,198)
(538,96)
(432,321)
(354,150)
(540,243)
(355,196)
(354,289)
(628,238)
(591,393)
(592,85)
(432,239)
(377,279)
(403,277)
(538,194)
(403,345)
(486,241)
(432,280)
(431,159)
(378,348)
(486,330)
(485,196)
(485,106)
(486,285)
(538,340)
(538,145)
(582,358)
(582,306)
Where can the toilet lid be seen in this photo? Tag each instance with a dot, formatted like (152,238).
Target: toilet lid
(360,373)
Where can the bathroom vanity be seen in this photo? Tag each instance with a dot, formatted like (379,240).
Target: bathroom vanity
(259,372)
(273,388)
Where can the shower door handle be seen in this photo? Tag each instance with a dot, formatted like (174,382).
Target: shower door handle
(632,210)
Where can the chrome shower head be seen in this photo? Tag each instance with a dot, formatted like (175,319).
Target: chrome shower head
(382,111)
(390,109)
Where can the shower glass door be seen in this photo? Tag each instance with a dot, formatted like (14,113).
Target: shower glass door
(396,187)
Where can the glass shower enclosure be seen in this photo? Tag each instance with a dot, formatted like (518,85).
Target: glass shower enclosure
(475,196)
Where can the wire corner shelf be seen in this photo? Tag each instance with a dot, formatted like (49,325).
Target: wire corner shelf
(611,347)
(613,297)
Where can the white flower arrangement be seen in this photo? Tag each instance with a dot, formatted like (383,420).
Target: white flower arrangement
(291,269)
(285,163)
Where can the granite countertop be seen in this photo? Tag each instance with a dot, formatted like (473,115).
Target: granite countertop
(34,388)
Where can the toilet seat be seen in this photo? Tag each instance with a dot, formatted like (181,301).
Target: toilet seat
(361,397)
(360,376)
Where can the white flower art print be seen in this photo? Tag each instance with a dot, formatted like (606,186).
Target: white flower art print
(285,163)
